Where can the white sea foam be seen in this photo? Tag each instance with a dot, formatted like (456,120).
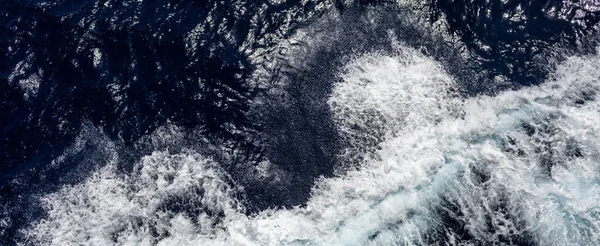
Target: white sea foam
(382,96)
(26,77)
(135,210)
(523,165)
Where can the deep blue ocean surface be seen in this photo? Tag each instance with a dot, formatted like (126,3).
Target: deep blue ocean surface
(277,122)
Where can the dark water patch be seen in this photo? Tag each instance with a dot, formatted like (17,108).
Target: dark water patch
(480,174)
(511,145)
(130,67)
(551,144)
(519,39)
(502,224)
(125,68)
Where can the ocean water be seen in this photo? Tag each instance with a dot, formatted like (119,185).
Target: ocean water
(300,123)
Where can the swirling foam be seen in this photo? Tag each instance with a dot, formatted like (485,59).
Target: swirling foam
(522,166)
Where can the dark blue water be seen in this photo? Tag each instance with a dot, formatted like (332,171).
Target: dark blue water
(154,69)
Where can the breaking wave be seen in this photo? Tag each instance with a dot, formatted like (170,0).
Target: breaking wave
(428,166)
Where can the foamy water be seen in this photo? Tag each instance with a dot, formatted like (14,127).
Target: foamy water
(523,165)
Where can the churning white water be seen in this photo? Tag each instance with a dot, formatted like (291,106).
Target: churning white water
(521,164)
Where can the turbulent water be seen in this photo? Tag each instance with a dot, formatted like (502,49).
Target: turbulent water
(300,123)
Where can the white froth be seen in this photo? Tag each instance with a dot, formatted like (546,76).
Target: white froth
(133,210)
(96,57)
(492,161)
(382,96)
(26,76)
